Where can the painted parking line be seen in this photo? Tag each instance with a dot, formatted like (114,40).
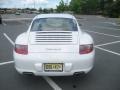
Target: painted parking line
(47,79)
(4,63)
(22,22)
(112,23)
(9,39)
(115,53)
(52,83)
(102,33)
(102,27)
(4,24)
(108,43)
(100,17)
(15,19)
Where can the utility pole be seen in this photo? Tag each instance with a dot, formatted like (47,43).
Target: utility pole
(34,3)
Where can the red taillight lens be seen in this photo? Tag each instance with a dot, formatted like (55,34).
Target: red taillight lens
(21,49)
(85,49)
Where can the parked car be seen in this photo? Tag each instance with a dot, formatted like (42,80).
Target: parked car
(54,45)
(0,19)
(17,13)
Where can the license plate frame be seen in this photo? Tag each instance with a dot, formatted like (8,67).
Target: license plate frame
(53,67)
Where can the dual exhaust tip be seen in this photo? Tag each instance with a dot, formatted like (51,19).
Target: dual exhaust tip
(28,73)
(76,74)
(79,74)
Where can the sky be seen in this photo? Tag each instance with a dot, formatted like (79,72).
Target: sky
(29,3)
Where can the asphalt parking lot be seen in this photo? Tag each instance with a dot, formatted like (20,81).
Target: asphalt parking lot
(104,76)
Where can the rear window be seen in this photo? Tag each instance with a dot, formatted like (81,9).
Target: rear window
(54,24)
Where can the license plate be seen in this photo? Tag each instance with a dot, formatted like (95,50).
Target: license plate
(56,67)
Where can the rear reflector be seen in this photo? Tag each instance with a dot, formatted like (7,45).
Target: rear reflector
(85,49)
(21,49)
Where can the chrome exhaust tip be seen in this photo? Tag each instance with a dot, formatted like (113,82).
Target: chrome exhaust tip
(28,73)
(78,74)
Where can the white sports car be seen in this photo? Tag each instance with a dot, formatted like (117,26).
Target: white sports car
(54,45)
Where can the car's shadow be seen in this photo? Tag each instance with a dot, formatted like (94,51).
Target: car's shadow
(71,82)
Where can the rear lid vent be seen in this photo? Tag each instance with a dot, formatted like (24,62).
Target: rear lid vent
(58,37)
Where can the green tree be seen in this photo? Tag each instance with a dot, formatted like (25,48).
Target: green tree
(112,8)
(45,10)
(62,6)
(84,6)
(75,6)
(40,10)
(90,6)
(51,10)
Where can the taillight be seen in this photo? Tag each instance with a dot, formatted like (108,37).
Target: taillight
(21,49)
(85,49)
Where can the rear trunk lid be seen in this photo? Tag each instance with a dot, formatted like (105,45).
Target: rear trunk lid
(53,41)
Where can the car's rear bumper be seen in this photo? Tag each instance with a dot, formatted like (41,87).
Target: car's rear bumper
(34,63)
(64,73)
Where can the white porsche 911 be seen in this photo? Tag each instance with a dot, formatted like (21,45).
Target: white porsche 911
(54,45)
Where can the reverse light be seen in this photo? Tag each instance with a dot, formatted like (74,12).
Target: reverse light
(85,49)
(21,49)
